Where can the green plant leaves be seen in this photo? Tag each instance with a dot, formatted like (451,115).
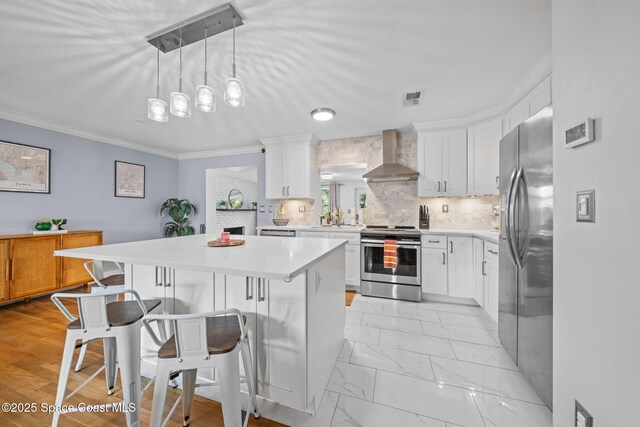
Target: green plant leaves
(179,211)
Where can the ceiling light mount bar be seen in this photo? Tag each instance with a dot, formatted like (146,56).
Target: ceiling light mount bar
(216,21)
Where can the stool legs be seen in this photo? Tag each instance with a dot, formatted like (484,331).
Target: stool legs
(128,344)
(83,351)
(245,352)
(229,375)
(159,393)
(110,358)
(188,390)
(65,366)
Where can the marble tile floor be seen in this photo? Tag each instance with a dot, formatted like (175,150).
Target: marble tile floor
(425,364)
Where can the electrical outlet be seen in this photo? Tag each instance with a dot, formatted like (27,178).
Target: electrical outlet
(445,208)
(583,418)
(302,208)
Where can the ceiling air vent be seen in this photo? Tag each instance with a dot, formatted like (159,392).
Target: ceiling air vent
(411,99)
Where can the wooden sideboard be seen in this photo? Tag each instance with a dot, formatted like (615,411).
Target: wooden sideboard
(28,267)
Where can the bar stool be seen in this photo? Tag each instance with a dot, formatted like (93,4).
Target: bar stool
(118,324)
(202,341)
(108,284)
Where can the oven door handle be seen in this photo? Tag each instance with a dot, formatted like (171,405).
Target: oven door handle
(377,243)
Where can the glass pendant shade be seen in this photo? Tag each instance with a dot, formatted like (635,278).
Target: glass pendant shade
(234,93)
(205,99)
(157,110)
(180,104)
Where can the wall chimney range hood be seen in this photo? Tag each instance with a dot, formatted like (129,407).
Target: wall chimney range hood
(390,170)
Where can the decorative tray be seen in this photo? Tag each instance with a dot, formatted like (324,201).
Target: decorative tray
(219,244)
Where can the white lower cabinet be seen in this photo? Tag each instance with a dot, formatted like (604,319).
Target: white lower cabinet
(352,265)
(460,267)
(491,289)
(276,329)
(478,271)
(352,252)
(434,271)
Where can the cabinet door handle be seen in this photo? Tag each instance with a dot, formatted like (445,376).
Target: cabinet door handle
(438,186)
(434,241)
(283,192)
(493,252)
(318,280)
(484,273)
(249,290)
(451,247)
(497,182)
(167,283)
(445,186)
(158,281)
(287,190)
(7,270)
(261,290)
(444,258)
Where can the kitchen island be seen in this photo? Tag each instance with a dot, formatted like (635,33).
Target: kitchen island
(290,290)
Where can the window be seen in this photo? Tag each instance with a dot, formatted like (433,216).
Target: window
(325,200)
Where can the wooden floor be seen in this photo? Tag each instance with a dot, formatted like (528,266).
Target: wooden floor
(31,342)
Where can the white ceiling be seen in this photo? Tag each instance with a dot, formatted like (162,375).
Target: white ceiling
(85,65)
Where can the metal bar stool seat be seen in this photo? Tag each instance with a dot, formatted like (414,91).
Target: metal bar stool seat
(201,341)
(102,284)
(118,324)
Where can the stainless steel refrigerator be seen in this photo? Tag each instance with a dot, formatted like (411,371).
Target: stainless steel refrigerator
(526,250)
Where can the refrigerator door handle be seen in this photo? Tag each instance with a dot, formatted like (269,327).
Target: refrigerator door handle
(522,254)
(508,216)
(514,238)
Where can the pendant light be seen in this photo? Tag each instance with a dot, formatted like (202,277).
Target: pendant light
(205,95)
(156,107)
(234,92)
(180,102)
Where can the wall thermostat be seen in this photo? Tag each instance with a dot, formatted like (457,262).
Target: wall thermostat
(579,134)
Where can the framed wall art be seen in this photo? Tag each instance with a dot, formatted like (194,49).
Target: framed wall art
(129,180)
(24,168)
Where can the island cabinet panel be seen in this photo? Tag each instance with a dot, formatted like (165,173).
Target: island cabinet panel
(5,270)
(325,322)
(34,269)
(73,271)
(281,341)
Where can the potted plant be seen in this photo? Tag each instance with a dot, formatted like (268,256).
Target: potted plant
(223,204)
(179,211)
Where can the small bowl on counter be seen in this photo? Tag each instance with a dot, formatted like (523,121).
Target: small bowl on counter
(280,222)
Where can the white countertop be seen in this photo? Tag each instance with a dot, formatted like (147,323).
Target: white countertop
(274,258)
(331,229)
(492,236)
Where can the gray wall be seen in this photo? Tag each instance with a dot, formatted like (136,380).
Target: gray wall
(192,178)
(596,73)
(82,187)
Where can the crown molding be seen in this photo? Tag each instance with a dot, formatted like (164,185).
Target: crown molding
(538,73)
(306,138)
(82,133)
(221,152)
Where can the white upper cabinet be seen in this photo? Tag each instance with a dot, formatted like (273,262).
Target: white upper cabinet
(483,142)
(275,183)
(442,163)
(290,170)
(535,100)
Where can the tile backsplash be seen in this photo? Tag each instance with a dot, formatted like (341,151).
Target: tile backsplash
(397,202)
(464,212)
(292,211)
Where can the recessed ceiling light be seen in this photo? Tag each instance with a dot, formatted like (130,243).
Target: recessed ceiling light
(323,114)
(326,176)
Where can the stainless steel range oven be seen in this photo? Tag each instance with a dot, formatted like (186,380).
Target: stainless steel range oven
(401,282)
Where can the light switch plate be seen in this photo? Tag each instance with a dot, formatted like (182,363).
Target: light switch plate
(582,418)
(586,206)
(445,208)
